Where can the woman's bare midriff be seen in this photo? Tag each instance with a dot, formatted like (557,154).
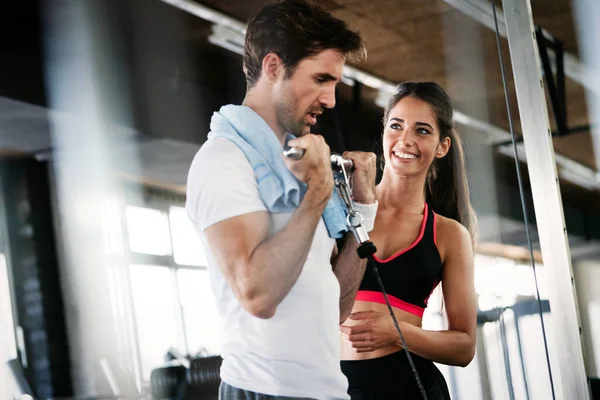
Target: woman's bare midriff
(348,353)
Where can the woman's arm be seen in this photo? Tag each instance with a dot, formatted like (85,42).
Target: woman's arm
(455,346)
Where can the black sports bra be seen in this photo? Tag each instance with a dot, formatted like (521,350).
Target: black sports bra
(410,275)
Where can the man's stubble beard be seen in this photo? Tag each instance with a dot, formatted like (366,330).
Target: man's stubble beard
(286,114)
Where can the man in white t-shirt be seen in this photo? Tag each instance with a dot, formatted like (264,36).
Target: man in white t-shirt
(281,286)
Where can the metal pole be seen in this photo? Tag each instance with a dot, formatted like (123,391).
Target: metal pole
(520,347)
(546,197)
(484,375)
(506,356)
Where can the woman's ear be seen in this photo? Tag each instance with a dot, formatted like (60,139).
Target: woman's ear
(443,147)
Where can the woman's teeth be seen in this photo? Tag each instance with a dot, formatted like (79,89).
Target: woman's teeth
(405,156)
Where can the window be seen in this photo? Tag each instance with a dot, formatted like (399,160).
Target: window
(500,282)
(148,231)
(155,304)
(170,287)
(187,248)
(202,322)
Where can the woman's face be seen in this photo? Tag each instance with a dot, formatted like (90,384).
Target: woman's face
(411,138)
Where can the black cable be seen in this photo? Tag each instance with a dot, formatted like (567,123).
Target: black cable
(410,360)
(522,194)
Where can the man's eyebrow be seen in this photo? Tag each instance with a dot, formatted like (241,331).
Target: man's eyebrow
(327,77)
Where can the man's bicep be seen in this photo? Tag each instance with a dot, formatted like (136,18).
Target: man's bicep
(232,241)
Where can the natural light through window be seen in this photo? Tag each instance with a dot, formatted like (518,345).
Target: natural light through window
(148,231)
(187,248)
(202,322)
(499,282)
(155,303)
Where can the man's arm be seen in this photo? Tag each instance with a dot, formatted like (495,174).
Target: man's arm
(347,266)
(349,270)
(260,270)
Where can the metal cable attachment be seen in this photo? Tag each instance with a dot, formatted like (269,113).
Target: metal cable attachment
(342,173)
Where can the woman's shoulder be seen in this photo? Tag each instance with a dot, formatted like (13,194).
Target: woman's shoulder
(449,226)
(450,233)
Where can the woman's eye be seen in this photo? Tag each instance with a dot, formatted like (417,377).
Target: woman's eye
(423,131)
(395,126)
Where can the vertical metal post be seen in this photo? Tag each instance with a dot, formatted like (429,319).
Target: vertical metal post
(453,382)
(546,197)
(521,359)
(506,355)
(484,375)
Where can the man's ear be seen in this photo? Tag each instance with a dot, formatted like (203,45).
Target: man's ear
(272,66)
(443,147)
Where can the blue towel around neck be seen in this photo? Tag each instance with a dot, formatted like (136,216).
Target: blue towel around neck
(280,190)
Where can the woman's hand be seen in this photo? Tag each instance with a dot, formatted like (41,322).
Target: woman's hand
(374,332)
(364,175)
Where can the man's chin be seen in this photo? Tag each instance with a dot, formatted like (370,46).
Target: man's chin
(304,131)
(301,130)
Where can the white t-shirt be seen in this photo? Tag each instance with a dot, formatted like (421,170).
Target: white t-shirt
(296,352)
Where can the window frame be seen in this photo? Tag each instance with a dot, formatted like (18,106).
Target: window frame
(159,200)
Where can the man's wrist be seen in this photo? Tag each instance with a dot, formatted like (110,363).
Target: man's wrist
(318,192)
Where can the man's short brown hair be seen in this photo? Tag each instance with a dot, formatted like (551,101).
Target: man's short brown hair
(294,30)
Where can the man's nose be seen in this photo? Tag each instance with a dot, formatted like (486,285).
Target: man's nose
(327,98)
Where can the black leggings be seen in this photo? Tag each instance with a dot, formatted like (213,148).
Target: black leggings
(390,377)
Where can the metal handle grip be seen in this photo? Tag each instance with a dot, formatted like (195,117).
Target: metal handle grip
(338,163)
(293,153)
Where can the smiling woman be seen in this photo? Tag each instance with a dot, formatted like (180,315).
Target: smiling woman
(428,106)
(423,232)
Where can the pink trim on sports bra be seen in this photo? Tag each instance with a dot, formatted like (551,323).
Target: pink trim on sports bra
(423,225)
(377,297)
(435,228)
